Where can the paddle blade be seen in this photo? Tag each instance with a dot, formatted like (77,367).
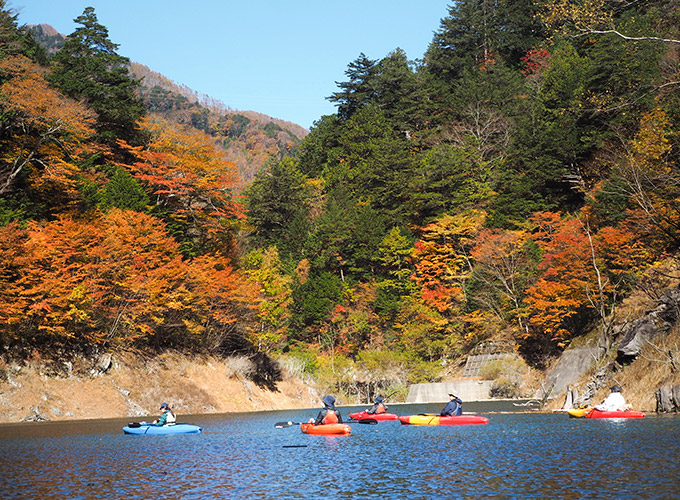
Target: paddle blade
(283,425)
(134,424)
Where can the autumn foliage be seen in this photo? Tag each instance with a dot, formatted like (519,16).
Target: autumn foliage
(44,130)
(116,279)
(185,172)
(514,188)
(78,270)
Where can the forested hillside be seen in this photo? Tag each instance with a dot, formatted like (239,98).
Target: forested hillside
(119,227)
(513,185)
(249,139)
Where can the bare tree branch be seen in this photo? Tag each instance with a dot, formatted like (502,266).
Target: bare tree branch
(591,31)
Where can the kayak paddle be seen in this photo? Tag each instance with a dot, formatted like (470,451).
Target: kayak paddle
(282,425)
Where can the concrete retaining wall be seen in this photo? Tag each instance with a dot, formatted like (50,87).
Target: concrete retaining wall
(571,366)
(467,390)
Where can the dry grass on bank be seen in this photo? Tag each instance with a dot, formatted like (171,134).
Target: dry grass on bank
(651,370)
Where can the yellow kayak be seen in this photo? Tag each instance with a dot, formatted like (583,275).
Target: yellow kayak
(438,420)
(579,412)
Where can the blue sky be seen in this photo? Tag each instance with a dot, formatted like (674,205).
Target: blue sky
(277,58)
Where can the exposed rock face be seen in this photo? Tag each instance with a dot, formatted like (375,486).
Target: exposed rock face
(601,378)
(104,363)
(655,323)
(668,399)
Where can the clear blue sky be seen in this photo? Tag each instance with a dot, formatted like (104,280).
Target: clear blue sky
(270,56)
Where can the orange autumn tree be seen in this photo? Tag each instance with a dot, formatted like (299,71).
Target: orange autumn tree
(157,296)
(13,258)
(554,301)
(581,273)
(189,178)
(441,258)
(428,320)
(120,279)
(53,284)
(44,130)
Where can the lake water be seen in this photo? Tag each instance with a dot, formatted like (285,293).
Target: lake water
(519,455)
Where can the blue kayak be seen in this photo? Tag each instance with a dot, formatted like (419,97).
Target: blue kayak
(144,428)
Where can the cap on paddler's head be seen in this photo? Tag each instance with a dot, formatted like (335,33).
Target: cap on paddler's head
(164,405)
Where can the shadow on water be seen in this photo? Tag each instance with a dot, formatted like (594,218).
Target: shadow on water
(517,455)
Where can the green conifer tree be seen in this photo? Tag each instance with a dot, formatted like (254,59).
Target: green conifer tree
(88,67)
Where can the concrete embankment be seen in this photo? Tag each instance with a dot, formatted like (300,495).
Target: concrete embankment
(467,390)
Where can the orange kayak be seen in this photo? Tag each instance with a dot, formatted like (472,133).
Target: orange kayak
(326,429)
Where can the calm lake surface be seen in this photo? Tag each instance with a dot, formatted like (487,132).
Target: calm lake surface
(518,455)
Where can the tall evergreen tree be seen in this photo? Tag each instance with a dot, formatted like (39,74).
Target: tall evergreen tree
(10,36)
(278,209)
(314,149)
(481,32)
(373,163)
(463,39)
(359,90)
(347,237)
(401,93)
(88,67)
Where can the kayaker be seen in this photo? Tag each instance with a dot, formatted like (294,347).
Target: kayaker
(453,408)
(167,417)
(329,414)
(614,402)
(378,406)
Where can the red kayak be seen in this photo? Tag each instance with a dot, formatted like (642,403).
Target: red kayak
(437,420)
(326,429)
(614,414)
(380,417)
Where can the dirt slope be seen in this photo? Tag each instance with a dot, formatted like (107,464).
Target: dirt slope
(136,387)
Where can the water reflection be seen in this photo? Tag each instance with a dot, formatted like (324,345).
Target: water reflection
(242,455)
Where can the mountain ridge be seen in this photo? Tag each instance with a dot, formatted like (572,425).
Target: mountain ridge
(248,138)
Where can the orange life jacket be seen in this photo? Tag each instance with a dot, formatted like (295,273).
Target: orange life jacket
(380,408)
(330,418)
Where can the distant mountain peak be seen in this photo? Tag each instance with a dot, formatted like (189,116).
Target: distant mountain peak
(45,29)
(47,36)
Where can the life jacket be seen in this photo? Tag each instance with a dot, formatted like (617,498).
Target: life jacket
(331,417)
(380,408)
(172,418)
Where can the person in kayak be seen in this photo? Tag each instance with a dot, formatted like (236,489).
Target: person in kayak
(453,408)
(614,402)
(167,417)
(329,414)
(378,406)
